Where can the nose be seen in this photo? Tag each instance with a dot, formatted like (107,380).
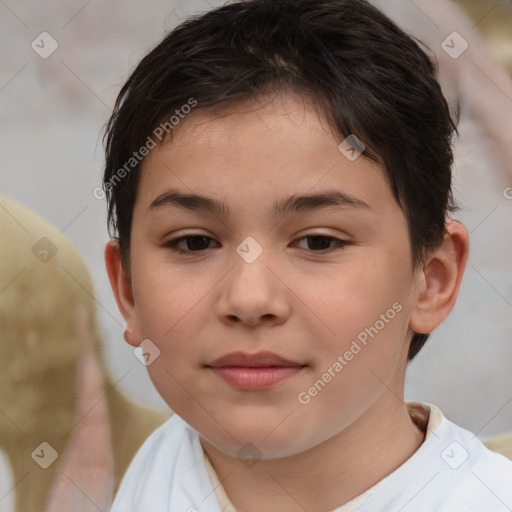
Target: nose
(253,294)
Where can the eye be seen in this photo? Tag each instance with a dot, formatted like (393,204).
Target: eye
(322,243)
(197,243)
(189,243)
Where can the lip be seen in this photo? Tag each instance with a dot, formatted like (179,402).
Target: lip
(254,371)
(248,360)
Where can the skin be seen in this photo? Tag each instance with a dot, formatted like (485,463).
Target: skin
(295,300)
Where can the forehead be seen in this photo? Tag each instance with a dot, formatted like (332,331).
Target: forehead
(266,148)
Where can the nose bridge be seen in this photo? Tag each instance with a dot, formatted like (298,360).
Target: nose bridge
(251,276)
(251,290)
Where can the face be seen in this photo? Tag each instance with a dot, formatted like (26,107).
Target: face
(306,255)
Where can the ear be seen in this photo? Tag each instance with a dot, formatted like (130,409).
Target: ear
(440,280)
(122,288)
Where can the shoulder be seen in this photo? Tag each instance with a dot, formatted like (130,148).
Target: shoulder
(150,471)
(154,443)
(453,471)
(485,477)
(160,443)
(486,486)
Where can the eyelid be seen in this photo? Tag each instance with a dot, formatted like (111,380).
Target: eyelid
(172,243)
(340,243)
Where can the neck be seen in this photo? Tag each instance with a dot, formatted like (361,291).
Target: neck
(328,475)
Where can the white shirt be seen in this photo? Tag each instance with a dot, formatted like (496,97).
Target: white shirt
(452,471)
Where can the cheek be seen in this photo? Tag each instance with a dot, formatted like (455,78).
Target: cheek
(354,372)
(363,343)
(358,300)
(171,313)
(166,299)
(175,326)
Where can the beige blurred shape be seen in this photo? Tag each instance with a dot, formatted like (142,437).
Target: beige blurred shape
(493,19)
(55,387)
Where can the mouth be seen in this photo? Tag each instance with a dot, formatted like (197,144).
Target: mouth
(254,371)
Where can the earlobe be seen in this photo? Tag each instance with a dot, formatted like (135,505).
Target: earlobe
(122,289)
(440,280)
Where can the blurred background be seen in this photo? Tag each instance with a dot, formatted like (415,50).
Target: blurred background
(65,62)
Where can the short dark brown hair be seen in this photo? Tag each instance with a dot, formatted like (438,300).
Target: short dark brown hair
(364,74)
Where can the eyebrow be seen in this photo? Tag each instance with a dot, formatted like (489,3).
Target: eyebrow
(294,203)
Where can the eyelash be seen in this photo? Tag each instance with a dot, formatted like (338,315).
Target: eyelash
(173,244)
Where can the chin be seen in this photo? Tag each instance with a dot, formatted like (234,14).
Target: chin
(257,437)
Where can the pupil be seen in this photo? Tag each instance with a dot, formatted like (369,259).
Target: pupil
(317,242)
(197,243)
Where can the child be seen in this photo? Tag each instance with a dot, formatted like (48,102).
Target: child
(278,182)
